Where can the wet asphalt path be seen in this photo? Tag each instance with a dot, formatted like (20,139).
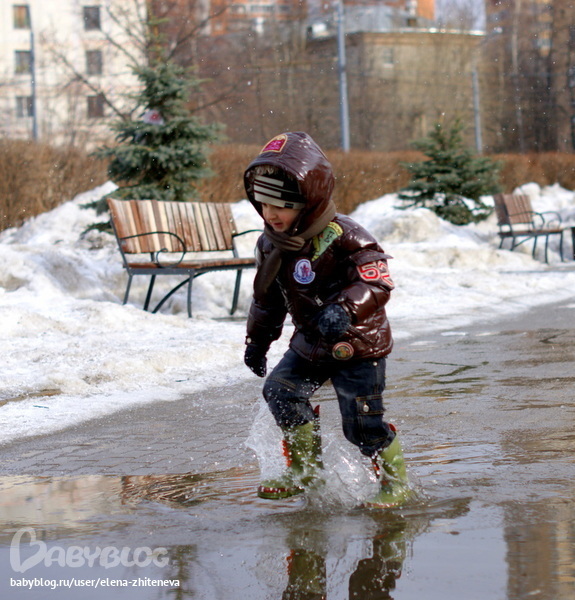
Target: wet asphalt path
(486,415)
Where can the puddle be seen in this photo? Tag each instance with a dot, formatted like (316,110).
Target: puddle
(208,536)
(212,538)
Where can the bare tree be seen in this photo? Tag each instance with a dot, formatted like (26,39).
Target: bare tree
(516,73)
(562,76)
(460,15)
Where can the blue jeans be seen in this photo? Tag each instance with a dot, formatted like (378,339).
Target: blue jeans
(359,388)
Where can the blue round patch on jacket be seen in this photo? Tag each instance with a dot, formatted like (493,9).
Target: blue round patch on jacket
(303,272)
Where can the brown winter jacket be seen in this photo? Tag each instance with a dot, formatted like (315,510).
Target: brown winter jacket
(344,265)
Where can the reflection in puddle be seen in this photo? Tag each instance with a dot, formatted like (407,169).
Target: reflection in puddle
(440,381)
(449,453)
(189,489)
(541,549)
(71,503)
(62,502)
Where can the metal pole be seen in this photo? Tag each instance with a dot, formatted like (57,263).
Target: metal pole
(33,84)
(477,111)
(343,102)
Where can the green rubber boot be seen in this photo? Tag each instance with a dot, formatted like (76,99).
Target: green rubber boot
(389,467)
(302,449)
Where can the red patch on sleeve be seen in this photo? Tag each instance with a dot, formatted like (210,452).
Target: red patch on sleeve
(376,271)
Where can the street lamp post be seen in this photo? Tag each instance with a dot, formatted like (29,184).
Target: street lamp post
(33,83)
(477,110)
(342,71)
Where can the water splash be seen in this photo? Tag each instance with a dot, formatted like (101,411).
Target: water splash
(347,479)
(265,439)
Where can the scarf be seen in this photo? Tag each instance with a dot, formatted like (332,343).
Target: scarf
(284,244)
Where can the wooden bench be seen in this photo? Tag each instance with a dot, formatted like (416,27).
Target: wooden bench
(518,222)
(160,238)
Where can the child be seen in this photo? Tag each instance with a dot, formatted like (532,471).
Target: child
(331,276)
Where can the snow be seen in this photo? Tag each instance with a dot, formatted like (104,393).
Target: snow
(72,351)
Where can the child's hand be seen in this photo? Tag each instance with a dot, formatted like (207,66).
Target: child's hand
(255,359)
(333,322)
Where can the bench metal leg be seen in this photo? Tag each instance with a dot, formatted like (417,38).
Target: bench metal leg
(149,294)
(172,292)
(128,286)
(190,281)
(236,292)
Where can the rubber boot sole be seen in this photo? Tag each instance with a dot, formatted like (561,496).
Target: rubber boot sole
(388,498)
(278,493)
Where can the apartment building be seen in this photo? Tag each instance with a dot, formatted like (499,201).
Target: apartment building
(254,15)
(65,67)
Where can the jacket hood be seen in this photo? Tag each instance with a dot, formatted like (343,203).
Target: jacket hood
(297,155)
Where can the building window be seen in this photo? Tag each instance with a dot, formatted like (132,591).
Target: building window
(388,57)
(24,107)
(94,62)
(21,16)
(91,18)
(22,61)
(96,106)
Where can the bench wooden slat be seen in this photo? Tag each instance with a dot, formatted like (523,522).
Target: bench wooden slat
(202,234)
(145,212)
(213,226)
(161,220)
(226,221)
(126,228)
(170,221)
(222,228)
(187,226)
(520,210)
(133,227)
(116,212)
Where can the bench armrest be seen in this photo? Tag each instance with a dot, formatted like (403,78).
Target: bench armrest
(156,253)
(247,231)
(235,235)
(545,222)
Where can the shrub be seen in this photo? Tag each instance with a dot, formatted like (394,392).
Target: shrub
(452,180)
(360,175)
(162,155)
(35,178)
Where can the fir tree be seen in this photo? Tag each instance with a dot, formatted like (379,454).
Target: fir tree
(163,154)
(452,180)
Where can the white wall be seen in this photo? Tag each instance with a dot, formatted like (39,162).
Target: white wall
(62,83)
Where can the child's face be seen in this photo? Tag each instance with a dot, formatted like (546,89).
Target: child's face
(279,219)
